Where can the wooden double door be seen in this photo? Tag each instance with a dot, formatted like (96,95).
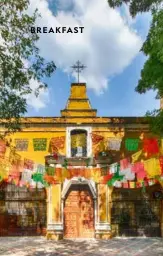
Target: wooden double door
(79,213)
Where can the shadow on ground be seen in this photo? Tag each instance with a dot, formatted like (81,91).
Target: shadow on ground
(39,246)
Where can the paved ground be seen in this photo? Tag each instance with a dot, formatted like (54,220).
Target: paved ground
(39,246)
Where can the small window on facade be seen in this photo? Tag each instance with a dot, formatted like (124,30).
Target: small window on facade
(78,143)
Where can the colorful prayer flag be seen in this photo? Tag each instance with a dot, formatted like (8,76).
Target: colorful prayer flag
(21,144)
(132,144)
(136,156)
(28,164)
(50,170)
(152,167)
(96,138)
(128,174)
(26,176)
(40,168)
(138,169)
(125,185)
(114,143)
(39,144)
(57,143)
(113,168)
(106,178)
(132,184)
(124,163)
(150,146)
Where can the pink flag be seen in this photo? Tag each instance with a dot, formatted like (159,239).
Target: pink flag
(138,167)
(124,163)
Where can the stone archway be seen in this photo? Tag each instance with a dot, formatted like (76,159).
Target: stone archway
(79,204)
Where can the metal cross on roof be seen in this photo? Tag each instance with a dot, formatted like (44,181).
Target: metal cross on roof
(78,67)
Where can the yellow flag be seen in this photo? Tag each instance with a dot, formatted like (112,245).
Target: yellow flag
(135,156)
(132,184)
(5,167)
(96,175)
(152,167)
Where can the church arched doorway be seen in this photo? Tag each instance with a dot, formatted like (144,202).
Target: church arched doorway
(79,216)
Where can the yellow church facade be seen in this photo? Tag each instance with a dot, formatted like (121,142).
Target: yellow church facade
(81,175)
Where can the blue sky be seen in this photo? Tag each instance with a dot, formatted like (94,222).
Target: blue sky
(111,84)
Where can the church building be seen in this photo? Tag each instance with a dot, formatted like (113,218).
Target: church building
(81,176)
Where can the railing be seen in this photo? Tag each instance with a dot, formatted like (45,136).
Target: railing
(78,161)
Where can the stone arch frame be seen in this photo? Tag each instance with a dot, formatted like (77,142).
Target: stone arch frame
(79,181)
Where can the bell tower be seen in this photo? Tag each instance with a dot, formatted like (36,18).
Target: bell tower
(78,104)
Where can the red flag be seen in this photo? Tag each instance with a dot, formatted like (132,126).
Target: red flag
(151,146)
(106,178)
(96,138)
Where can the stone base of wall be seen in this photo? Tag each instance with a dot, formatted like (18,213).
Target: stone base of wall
(54,231)
(50,235)
(103,231)
(103,235)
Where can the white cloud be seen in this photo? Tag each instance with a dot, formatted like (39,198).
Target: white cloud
(43,97)
(37,102)
(106,47)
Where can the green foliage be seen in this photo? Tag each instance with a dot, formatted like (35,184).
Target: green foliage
(155,120)
(136,6)
(152,72)
(19,60)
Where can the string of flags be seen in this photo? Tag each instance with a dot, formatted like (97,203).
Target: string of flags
(148,145)
(39,144)
(131,172)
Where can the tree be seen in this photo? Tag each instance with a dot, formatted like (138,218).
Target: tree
(152,72)
(20,61)
(136,6)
